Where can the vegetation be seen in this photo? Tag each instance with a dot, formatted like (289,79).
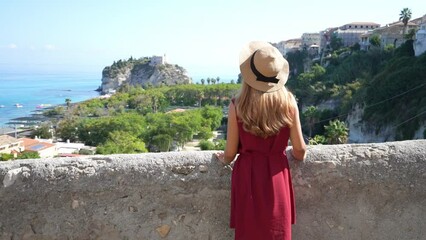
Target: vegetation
(405,16)
(209,145)
(155,119)
(23,155)
(387,83)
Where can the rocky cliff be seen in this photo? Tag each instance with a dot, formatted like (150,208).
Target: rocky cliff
(142,72)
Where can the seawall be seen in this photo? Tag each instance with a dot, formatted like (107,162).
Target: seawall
(354,191)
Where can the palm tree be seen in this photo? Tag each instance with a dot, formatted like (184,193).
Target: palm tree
(68,102)
(311,115)
(200,97)
(336,132)
(203,81)
(405,16)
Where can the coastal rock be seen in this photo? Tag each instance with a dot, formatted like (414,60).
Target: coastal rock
(142,72)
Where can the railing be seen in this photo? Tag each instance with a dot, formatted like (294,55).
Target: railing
(359,191)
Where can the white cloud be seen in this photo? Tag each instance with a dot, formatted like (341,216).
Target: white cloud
(50,47)
(12,46)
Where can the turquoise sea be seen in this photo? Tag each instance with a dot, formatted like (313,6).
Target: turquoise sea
(22,94)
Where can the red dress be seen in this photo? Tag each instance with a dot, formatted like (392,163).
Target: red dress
(262,201)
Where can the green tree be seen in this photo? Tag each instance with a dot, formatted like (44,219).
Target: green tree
(43,131)
(356,47)
(405,16)
(54,112)
(121,142)
(67,129)
(68,102)
(311,115)
(240,78)
(162,142)
(410,35)
(375,40)
(213,115)
(336,132)
(336,43)
(200,97)
(203,81)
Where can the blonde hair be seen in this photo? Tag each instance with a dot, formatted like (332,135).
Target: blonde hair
(264,114)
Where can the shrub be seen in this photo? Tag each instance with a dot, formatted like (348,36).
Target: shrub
(206,145)
(5,157)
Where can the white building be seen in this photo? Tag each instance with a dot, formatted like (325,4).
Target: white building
(10,145)
(311,39)
(43,148)
(351,33)
(158,60)
(420,42)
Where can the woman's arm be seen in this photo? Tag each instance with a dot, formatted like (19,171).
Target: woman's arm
(296,137)
(232,140)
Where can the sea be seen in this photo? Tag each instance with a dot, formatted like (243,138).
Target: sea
(22,95)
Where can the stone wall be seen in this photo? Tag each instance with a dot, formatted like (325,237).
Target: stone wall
(359,191)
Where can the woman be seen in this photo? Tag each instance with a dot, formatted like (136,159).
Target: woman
(261,120)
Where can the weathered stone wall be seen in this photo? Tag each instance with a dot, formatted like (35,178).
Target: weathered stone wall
(364,191)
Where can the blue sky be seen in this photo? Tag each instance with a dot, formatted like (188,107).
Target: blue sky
(205,37)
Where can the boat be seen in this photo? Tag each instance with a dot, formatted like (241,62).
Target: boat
(1,106)
(18,105)
(43,105)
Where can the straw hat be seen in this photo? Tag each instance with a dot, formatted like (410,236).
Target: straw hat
(263,67)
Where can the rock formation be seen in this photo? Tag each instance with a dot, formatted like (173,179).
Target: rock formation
(142,72)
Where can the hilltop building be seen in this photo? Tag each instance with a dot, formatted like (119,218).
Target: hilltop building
(393,33)
(420,42)
(281,47)
(351,33)
(287,46)
(158,60)
(325,37)
(311,42)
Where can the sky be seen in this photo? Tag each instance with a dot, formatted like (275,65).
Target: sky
(204,37)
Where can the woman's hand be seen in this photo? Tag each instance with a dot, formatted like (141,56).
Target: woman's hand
(221,157)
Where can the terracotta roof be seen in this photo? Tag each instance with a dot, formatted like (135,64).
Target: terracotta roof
(34,145)
(362,23)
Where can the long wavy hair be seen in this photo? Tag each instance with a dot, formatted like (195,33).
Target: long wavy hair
(264,114)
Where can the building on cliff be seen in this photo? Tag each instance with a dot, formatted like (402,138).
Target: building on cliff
(393,33)
(420,42)
(351,33)
(158,60)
